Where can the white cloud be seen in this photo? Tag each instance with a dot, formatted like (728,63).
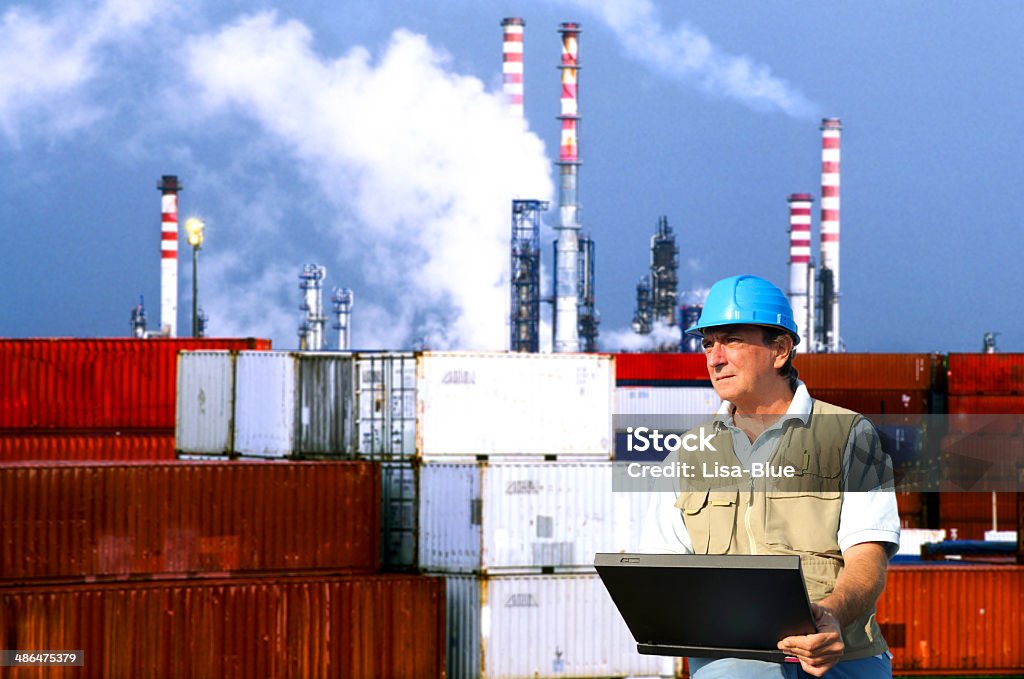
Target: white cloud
(418,163)
(687,54)
(45,60)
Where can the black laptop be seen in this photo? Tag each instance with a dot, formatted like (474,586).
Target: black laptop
(735,606)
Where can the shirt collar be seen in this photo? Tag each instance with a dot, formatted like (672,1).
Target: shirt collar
(799,408)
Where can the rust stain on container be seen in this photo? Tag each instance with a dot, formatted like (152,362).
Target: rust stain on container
(986,373)
(954,619)
(84,384)
(372,626)
(904,372)
(662,369)
(68,522)
(91,446)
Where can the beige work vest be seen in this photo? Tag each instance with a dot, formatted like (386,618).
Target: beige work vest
(788,516)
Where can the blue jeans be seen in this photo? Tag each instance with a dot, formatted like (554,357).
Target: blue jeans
(877,667)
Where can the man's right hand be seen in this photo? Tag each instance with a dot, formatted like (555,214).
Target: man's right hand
(817,653)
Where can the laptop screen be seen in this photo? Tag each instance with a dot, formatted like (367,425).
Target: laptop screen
(708,606)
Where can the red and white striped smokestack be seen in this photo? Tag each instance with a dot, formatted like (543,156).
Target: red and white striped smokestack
(567,247)
(512,63)
(569,147)
(169,188)
(799,261)
(830,132)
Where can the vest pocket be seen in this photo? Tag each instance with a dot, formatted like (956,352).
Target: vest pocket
(806,522)
(710,518)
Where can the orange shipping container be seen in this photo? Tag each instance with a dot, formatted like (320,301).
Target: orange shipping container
(92,446)
(903,372)
(377,627)
(79,384)
(987,413)
(120,521)
(986,373)
(954,619)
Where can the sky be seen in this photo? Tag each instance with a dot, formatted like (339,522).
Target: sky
(372,138)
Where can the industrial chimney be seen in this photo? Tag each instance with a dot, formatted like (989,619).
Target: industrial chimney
(512,63)
(169,188)
(567,247)
(829,265)
(799,264)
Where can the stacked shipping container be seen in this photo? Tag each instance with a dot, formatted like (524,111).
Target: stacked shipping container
(986,423)
(93,399)
(273,564)
(496,475)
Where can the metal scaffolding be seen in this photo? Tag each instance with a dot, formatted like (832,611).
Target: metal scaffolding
(525,276)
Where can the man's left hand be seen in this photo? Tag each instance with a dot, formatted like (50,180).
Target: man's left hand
(817,652)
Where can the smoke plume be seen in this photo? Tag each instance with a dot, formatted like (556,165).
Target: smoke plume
(688,55)
(417,163)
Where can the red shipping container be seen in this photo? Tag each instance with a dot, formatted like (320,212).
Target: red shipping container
(988,413)
(88,384)
(971,513)
(902,372)
(981,461)
(120,521)
(661,370)
(986,374)
(372,626)
(877,402)
(954,619)
(92,446)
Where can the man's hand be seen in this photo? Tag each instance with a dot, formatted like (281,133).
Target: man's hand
(817,652)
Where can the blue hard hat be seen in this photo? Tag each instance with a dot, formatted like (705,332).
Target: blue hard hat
(748,300)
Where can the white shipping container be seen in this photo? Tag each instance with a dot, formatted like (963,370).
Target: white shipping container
(666,401)
(474,404)
(385,405)
(539,626)
(325,404)
(265,391)
(204,402)
(521,516)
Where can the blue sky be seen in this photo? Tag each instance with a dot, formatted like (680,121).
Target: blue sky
(370,137)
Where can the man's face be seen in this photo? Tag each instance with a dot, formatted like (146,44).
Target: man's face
(739,362)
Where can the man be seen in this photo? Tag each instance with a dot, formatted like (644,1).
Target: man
(839,513)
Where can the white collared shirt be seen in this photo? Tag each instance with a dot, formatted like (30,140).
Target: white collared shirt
(864,516)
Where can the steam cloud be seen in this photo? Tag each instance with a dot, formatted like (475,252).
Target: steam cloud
(688,55)
(418,164)
(46,60)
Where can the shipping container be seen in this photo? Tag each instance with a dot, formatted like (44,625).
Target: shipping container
(385,403)
(537,405)
(206,402)
(369,626)
(539,626)
(94,446)
(954,619)
(986,373)
(981,462)
(661,370)
(666,401)
(966,516)
(326,414)
(891,403)
(89,384)
(510,517)
(986,413)
(265,398)
(871,372)
(118,521)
